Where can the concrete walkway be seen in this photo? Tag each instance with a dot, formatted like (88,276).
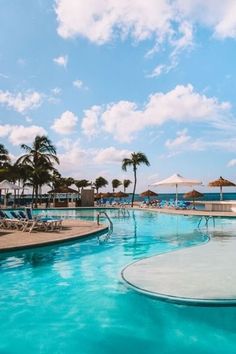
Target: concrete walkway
(72,229)
(204,275)
(191,212)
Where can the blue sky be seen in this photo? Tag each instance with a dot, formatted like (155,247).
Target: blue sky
(106,78)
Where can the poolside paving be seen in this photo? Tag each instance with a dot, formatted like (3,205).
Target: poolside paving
(71,230)
(191,212)
(204,274)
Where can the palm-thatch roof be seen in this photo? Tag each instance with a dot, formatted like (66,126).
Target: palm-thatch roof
(221,182)
(62,190)
(107,195)
(193,195)
(121,195)
(148,193)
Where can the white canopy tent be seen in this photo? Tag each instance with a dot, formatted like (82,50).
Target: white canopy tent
(175,181)
(6,185)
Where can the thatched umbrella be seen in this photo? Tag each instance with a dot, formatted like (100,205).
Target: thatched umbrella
(107,195)
(121,195)
(221,182)
(193,195)
(148,194)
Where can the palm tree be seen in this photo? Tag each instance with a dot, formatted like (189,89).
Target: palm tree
(82,183)
(4,157)
(40,158)
(115,184)
(56,179)
(66,181)
(126,184)
(135,160)
(4,165)
(99,183)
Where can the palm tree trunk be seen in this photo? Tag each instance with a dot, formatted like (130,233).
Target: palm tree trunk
(33,197)
(135,181)
(36,195)
(40,195)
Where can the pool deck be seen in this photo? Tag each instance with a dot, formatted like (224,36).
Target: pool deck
(199,275)
(11,240)
(191,212)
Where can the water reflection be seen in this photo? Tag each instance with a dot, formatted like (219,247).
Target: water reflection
(140,234)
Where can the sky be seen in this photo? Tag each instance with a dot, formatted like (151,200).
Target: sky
(104,78)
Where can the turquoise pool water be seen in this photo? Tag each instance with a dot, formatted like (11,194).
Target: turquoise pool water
(71,299)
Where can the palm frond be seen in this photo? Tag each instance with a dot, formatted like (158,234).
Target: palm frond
(125,163)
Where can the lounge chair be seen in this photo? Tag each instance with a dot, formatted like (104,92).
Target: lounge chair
(11,222)
(40,222)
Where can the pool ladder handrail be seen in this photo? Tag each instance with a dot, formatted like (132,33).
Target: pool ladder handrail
(108,218)
(207,218)
(123,211)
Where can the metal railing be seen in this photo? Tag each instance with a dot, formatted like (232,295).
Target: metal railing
(107,217)
(206,218)
(123,212)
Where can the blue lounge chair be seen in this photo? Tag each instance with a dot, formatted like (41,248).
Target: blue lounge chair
(41,222)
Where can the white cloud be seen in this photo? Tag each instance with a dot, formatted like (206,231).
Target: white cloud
(78,84)
(61,60)
(56,91)
(89,124)
(5,130)
(19,134)
(66,123)
(21,102)
(166,24)
(111,155)
(232,163)
(100,21)
(181,139)
(226,27)
(219,16)
(158,70)
(74,157)
(182,104)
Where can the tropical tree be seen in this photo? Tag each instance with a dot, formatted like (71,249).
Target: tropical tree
(82,183)
(126,184)
(66,181)
(115,184)
(40,159)
(56,179)
(134,161)
(4,156)
(100,182)
(4,164)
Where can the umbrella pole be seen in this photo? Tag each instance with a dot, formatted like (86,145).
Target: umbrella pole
(221,194)
(176,194)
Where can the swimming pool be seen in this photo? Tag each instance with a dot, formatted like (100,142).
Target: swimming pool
(71,299)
